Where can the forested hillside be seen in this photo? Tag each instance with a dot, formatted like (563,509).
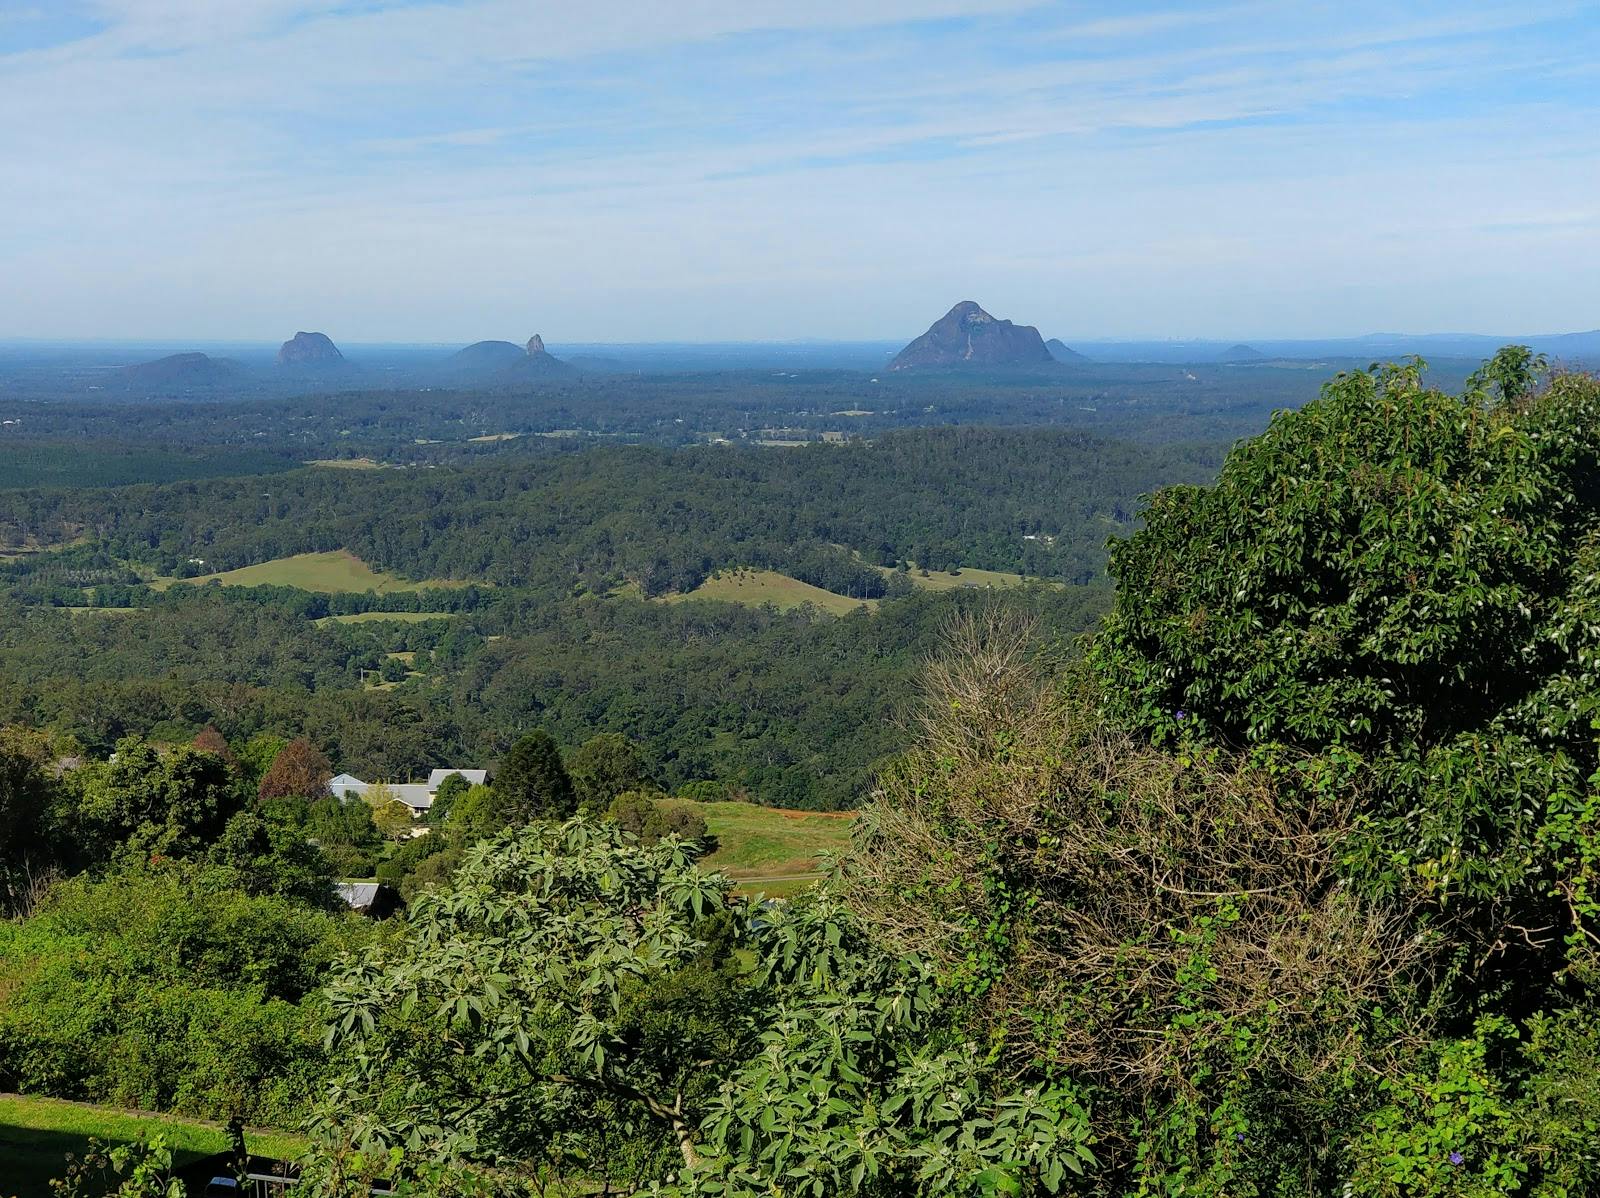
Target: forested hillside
(1041,502)
(795,709)
(1285,886)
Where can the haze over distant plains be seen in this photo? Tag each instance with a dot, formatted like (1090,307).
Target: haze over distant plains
(760,169)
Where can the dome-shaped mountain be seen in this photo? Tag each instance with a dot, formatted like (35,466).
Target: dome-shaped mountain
(491,362)
(309,349)
(1062,352)
(1242,353)
(968,336)
(180,370)
(485,357)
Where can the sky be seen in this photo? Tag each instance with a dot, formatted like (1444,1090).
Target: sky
(699,170)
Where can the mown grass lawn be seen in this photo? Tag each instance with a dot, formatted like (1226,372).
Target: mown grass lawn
(36,1134)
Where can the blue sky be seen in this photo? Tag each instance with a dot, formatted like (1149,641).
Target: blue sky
(701,170)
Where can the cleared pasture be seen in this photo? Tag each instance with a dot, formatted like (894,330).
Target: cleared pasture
(327,573)
(756,587)
(770,850)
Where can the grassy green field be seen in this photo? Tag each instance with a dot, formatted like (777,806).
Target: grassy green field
(940,580)
(37,1133)
(328,573)
(391,617)
(755,587)
(768,849)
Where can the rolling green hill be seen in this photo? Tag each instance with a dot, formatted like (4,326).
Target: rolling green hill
(327,573)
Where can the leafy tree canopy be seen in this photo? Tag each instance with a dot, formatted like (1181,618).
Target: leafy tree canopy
(300,769)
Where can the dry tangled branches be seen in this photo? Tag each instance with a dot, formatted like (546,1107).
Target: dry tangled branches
(1153,903)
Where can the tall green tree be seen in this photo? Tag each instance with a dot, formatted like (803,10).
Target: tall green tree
(171,803)
(1404,581)
(605,766)
(532,783)
(26,796)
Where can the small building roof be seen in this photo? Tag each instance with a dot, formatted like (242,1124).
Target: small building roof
(473,777)
(358,894)
(414,795)
(373,899)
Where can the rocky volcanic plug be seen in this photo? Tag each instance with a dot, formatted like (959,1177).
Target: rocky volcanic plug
(501,361)
(969,336)
(309,349)
(537,360)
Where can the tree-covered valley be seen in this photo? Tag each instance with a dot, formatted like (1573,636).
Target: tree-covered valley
(1223,815)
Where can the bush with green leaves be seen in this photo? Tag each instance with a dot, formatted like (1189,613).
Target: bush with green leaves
(28,798)
(146,802)
(143,1169)
(606,766)
(638,812)
(584,1007)
(1405,580)
(168,988)
(1297,874)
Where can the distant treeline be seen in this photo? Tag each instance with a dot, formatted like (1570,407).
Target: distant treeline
(433,424)
(115,464)
(1040,502)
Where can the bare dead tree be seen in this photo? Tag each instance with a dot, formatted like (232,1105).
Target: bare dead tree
(1167,895)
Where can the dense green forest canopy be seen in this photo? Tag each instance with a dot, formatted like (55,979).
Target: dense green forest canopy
(793,708)
(1042,502)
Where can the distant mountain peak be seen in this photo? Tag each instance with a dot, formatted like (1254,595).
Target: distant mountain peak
(505,361)
(1242,353)
(190,369)
(1062,352)
(309,349)
(968,336)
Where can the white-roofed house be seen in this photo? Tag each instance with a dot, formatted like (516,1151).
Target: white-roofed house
(418,796)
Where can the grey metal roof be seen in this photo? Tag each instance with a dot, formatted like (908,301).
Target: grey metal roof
(359,895)
(473,777)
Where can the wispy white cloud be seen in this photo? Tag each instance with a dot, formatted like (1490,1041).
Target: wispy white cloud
(431,170)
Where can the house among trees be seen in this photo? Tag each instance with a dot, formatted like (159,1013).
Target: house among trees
(418,796)
(372,899)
